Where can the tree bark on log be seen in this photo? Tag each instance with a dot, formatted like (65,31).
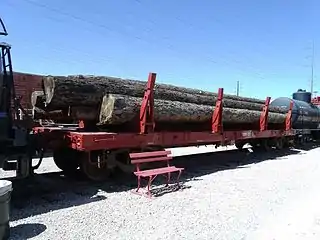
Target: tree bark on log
(84,113)
(88,91)
(74,113)
(119,109)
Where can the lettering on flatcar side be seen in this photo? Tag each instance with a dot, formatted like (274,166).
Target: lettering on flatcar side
(247,133)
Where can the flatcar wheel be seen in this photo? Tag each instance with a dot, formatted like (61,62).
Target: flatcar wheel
(255,146)
(239,145)
(265,144)
(67,159)
(279,143)
(288,142)
(94,166)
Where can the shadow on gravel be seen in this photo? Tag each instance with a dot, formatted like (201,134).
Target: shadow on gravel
(47,192)
(208,163)
(308,146)
(198,165)
(158,192)
(27,231)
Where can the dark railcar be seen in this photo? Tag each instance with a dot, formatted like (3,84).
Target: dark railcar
(304,115)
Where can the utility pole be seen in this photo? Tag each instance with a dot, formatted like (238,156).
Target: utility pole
(238,87)
(312,68)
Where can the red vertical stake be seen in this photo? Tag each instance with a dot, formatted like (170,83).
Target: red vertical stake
(264,115)
(147,106)
(289,117)
(216,123)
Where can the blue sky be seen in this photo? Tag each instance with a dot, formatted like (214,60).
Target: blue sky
(266,45)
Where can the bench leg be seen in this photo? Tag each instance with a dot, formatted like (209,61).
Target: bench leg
(168,179)
(151,178)
(139,183)
(178,178)
(149,186)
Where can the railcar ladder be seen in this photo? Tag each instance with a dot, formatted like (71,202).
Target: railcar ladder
(6,81)
(7,92)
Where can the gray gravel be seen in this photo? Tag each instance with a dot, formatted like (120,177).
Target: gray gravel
(274,197)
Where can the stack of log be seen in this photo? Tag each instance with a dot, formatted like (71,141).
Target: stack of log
(113,101)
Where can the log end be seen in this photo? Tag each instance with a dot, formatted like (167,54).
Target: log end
(106,110)
(48,88)
(118,109)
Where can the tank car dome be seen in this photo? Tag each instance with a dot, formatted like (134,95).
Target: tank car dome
(302,95)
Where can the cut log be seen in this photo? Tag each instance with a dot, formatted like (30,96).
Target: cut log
(84,113)
(74,113)
(88,91)
(119,109)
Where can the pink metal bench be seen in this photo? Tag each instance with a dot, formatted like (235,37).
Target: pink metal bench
(147,157)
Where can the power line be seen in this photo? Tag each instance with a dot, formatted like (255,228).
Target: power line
(125,34)
(204,31)
(201,28)
(257,73)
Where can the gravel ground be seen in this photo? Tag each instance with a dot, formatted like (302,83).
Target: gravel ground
(226,195)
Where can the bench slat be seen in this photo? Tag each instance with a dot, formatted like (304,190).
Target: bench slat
(149,154)
(157,171)
(154,159)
